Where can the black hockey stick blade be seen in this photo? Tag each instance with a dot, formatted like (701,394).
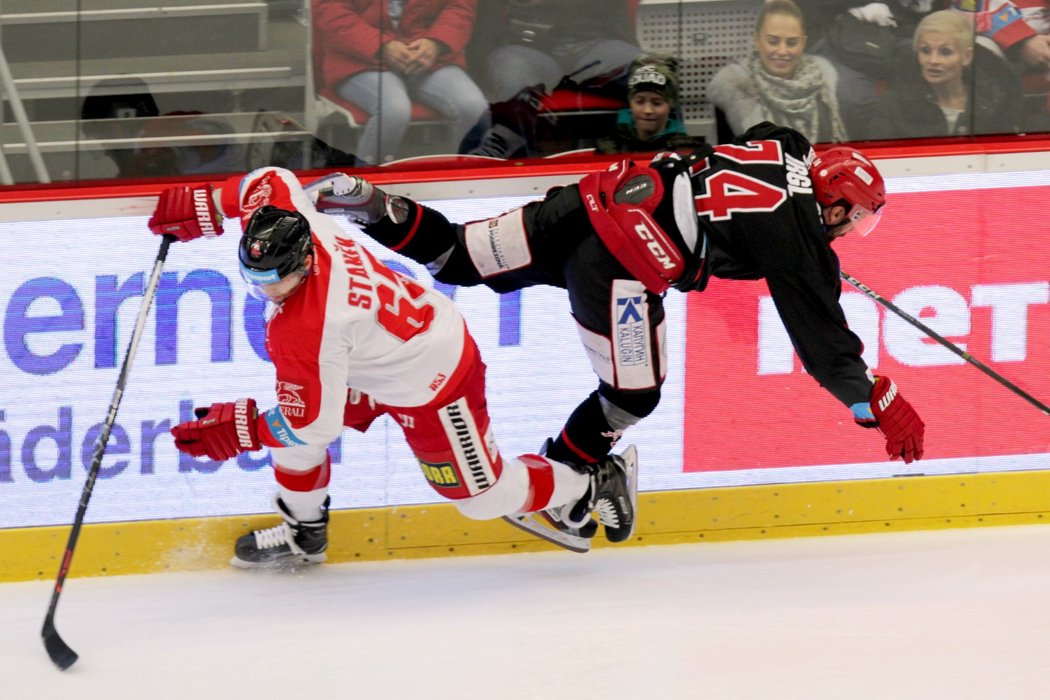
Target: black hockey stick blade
(535,525)
(57,649)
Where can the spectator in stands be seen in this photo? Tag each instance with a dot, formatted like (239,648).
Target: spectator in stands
(1020,28)
(950,86)
(543,42)
(863,40)
(383,55)
(780,82)
(162,144)
(650,123)
(109,115)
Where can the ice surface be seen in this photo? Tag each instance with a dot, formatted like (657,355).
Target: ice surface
(926,615)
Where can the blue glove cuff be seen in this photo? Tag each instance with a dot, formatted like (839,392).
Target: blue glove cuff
(862,411)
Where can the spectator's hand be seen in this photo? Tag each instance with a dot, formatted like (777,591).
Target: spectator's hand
(424,53)
(396,56)
(1035,50)
(876,12)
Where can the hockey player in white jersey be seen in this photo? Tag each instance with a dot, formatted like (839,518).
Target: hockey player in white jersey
(351,340)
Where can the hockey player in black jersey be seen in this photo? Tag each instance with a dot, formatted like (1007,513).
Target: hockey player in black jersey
(761,207)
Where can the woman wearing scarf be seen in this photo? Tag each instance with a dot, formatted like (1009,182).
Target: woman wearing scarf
(779,82)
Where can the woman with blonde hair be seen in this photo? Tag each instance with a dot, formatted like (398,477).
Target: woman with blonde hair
(780,82)
(950,86)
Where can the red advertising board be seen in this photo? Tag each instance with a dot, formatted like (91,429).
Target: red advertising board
(974,265)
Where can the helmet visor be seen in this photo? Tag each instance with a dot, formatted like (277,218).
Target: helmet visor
(267,285)
(863,220)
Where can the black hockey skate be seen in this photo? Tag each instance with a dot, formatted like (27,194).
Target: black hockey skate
(291,544)
(613,493)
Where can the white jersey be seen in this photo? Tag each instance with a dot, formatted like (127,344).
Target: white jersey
(352,323)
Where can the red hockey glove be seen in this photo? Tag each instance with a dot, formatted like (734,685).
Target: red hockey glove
(222,432)
(895,418)
(186,213)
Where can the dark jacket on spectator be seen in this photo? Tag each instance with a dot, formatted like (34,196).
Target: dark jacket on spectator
(908,108)
(820,16)
(500,22)
(624,138)
(572,20)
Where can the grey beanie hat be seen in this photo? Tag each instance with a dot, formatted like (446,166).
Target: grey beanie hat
(654,75)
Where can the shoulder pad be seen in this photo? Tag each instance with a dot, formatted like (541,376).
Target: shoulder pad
(680,162)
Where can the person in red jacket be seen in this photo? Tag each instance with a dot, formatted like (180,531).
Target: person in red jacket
(382,56)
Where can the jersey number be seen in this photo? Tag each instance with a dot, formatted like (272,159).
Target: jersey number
(400,312)
(756,152)
(729,192)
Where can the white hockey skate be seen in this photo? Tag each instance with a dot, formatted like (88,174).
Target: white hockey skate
(613,494)
(357,199)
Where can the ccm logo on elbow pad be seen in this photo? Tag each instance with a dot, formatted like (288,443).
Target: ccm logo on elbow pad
(661,256)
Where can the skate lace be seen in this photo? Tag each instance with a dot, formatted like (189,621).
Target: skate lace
(564,515)
(608,513)
(273,537)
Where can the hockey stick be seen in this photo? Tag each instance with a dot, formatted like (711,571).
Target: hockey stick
(57,649)
(947,343)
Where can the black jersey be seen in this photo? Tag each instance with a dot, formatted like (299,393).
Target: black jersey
(757,218)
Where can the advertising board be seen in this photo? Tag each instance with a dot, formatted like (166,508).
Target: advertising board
(966,256)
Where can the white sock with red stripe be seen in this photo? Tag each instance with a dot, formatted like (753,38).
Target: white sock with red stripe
(563,483)
(304,505)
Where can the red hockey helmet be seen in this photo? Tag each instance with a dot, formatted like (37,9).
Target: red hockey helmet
(843,175)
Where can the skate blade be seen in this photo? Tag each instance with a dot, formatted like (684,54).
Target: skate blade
(533,524)
(284,564)
(630,463)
